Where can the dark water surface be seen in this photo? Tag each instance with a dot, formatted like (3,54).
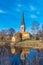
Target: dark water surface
(35,57)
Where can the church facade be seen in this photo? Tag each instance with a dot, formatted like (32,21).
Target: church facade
(22,35)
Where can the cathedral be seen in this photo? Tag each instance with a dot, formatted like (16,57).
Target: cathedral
(22,35)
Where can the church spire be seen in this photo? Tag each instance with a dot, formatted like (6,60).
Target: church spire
(22,23)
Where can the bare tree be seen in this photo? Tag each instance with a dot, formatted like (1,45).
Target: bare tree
(41,33)
(42,28)
(3,34)
(35,28)
(11,31)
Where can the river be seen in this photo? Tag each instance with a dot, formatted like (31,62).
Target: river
(35,57)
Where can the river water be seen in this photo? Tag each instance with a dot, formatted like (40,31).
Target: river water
(35,57)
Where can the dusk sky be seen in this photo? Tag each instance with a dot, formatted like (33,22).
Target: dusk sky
(11,13)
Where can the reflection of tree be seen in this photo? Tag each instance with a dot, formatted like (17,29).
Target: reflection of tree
(32,58)
(27,61)
(16,60)
(5,57)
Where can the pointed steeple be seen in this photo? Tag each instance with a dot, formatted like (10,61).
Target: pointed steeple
(22,23)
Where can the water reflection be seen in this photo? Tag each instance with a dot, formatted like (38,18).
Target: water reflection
(5,57)
(16,60)
(35,57)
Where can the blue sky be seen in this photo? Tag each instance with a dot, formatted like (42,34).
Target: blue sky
(11,13)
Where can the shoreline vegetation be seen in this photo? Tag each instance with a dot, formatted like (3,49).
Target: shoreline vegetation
(35,44)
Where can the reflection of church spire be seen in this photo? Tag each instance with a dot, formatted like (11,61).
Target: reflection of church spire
(22,23)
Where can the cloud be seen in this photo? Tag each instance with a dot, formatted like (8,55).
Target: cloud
(32,7)
(38,12)
(1,11)
(18,10)
(33,16)
(19,5)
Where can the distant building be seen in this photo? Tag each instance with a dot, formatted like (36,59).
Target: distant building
(22,27)
(22,35)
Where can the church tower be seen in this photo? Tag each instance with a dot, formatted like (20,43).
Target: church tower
(22,28)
